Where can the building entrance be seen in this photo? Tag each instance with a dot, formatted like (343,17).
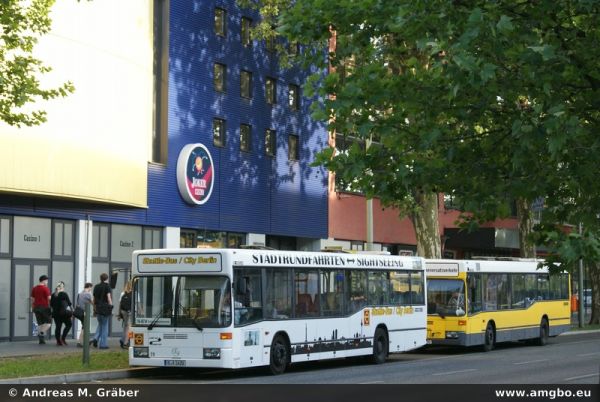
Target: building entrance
(123,275)
(25,276)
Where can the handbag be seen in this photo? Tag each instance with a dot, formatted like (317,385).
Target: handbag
(67,310)
(78,313)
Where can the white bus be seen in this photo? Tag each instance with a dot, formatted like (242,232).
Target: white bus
(232,308)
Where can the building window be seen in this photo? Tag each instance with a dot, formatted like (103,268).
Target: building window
(293,147)
(293,48)
(100,241)
(5,236)
(246,26)
(220,22)
(270,142)
(270,43)
(294,97)
(64,233)
(219,132)
(246,84)
(270,90)
(187,239)
(160,67)
(245,136)
(152,238)
(219,72)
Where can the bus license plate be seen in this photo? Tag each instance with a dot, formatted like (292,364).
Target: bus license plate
(174,363)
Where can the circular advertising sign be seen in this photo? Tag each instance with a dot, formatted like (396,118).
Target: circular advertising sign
(195,174)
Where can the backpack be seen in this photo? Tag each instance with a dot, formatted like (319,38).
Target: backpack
(125,303)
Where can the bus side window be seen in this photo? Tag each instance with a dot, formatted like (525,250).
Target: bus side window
(303,304)
(474,293)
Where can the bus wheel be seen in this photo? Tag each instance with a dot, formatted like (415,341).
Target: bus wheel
(380,346)
(544,330)
(490,338)
(280,356)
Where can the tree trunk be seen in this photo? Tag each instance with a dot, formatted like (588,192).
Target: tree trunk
(594,278)
(525,216)
(425,219)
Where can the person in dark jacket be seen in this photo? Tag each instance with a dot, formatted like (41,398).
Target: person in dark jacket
(62,312)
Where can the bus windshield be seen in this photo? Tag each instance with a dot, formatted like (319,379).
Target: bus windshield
(182,301)
(446,297)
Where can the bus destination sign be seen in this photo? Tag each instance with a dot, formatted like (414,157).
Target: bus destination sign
(159,263)
(442,268)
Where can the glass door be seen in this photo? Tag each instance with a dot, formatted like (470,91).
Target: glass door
(123,275)
(25,277)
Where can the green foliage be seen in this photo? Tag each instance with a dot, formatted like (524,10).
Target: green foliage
(61,363)
(490,101)
(21,25)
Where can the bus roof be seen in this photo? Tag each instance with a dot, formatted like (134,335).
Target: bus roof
(454,267)
(211,260)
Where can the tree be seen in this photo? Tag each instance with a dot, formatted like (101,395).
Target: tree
(21,25)
(490,101)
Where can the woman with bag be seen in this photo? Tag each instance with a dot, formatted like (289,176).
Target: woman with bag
(62,312)
(84,297)
(124,312)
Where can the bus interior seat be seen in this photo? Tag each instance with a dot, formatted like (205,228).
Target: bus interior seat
(303,303)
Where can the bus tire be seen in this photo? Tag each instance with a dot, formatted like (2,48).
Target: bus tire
(544,332)
(380,346)
(489,339)
(280,355)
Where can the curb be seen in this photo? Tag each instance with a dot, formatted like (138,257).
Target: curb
(81,377)
(590,331)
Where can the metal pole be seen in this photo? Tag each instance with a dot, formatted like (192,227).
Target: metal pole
(86,334)
(369,225)
(580,291)
(369,210)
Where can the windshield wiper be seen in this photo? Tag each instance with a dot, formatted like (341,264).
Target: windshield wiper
(198,327)
(158,316)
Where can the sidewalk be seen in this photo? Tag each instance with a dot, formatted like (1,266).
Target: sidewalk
(33,348)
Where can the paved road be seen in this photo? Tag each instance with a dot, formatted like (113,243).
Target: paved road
(573,359)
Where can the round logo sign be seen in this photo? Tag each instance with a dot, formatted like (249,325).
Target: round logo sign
(195,174)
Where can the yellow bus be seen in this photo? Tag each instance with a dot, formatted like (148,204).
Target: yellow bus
(486,301)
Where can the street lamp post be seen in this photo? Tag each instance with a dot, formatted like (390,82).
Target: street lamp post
(369,209)
(580,292)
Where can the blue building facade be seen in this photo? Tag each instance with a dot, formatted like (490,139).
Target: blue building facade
(260,136)
(253,192)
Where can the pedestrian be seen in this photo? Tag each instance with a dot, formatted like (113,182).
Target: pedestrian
(40,303)
(62,312)
(124,313)
(103,309)
(83,298)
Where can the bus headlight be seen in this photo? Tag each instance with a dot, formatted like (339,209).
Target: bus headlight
(141,351)
(451,335)
(212,353)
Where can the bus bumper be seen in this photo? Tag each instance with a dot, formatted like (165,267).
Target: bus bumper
(225,361)
(458,339)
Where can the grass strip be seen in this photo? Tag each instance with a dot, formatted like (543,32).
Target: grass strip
(585,327)
(62,363)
